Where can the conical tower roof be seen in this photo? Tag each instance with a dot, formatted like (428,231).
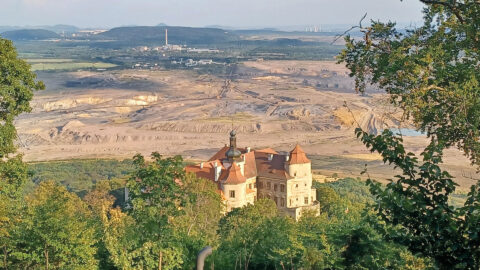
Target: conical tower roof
(298,156)
(235,175)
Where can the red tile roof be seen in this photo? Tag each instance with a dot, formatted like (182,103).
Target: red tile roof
(220,154)
(274,168)
(234,175)
(267,150)
(298,156)
(250,168)
(257,163)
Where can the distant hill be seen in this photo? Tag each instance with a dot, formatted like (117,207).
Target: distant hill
(60,28)
(29,34)
(176,35)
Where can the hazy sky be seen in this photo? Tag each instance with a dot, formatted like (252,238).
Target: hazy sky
(239,13)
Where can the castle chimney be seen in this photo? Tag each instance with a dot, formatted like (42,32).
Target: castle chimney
(270,157)
(287,158)
(248,149)
(201,165)
(217,170)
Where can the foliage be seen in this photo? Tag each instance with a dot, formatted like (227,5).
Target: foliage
(100,202)
(326,196)
(416,205)
(197,228)
(156,198)
(56,231)
(246,239)
(17,84)
(431,72)
(81,175)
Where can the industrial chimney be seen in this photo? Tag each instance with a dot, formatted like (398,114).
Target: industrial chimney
(166,37)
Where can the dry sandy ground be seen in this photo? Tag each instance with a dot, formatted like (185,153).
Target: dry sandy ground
(116,114)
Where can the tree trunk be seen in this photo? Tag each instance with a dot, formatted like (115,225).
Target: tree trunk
(160,255)
(46,258)
(5,257)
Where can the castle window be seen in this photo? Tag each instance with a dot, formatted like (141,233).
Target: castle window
(282,188)
(296,185)
(269,185)
(282,202)
(232,193)
(305,184)
(250,186)
(260,184)
(275,186)
(306,200)
(290,202)
(255,185)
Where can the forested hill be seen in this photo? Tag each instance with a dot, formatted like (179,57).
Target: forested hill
(30,34)
(176,34)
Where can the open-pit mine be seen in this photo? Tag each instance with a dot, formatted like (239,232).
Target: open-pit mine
(118,113)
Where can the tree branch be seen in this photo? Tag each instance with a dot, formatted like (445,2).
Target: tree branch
(453,7)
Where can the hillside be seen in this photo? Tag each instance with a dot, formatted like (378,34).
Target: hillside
(176,35)
(30,34)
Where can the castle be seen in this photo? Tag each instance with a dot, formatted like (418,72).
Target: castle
(244,175)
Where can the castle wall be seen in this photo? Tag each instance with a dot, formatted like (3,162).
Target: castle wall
(274,189)
(239,198)
(299,189)
(251,184)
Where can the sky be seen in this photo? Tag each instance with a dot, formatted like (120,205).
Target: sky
(196,13)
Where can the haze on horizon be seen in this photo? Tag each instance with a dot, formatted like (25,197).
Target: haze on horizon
(196,13)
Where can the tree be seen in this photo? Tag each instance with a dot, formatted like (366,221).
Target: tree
(198,227)
(56,232)
(416,207)
(17,84)
(100,203)
(326,196)
(254,236)
(431,72)
(156,199)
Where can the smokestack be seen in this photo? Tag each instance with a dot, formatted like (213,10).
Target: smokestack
(166,37)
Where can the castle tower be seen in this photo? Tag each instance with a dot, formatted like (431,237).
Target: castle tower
(233,154)
(298,164)
(235,188)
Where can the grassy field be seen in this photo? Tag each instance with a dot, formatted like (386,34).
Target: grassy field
(58,64)
(353,165)
(48,60)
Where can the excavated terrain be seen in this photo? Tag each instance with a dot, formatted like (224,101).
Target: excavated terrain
(116,114)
